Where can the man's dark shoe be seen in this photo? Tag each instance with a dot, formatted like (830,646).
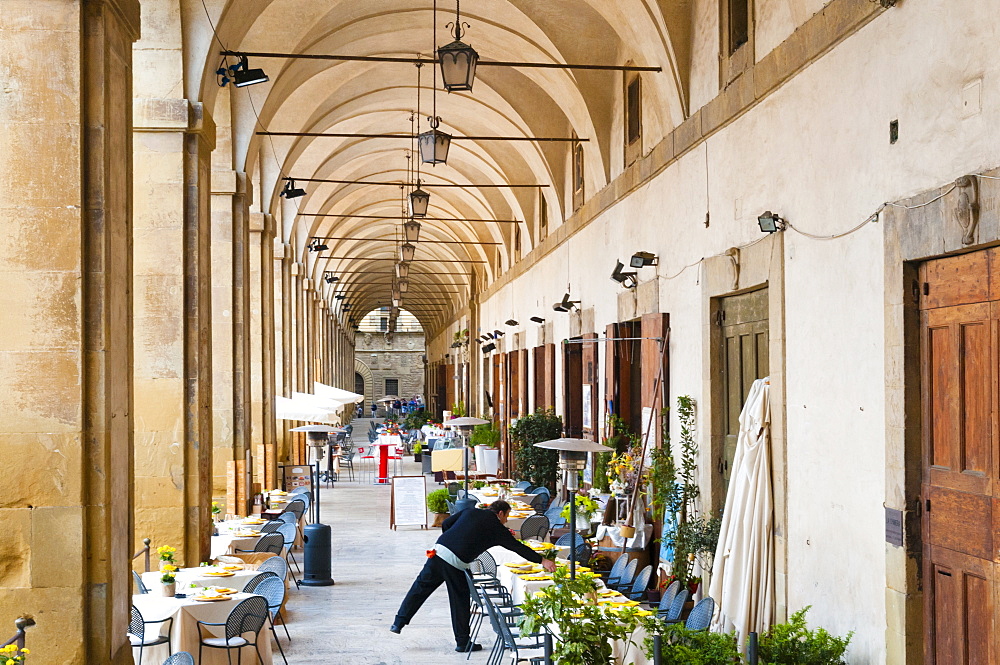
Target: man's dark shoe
(471,646)
(396,628)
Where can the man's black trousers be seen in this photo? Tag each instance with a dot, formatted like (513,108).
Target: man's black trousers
(436,571)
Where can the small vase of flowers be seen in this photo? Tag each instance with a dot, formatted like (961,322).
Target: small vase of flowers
(168,579)
(167,554)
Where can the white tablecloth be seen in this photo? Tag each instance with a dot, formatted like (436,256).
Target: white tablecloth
(184,633)
(188,576)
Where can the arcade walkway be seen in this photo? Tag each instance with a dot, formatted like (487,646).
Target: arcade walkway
(373,567)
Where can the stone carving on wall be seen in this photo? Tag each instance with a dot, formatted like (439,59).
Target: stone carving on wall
(966,210)
(734,255)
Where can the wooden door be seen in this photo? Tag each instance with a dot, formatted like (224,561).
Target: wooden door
(591,398)
(572,390)
(960,322)
(744,359)
(538,378)
(513,385)
(549,400)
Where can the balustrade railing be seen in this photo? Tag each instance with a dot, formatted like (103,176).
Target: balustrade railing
(144,550)
(22,624)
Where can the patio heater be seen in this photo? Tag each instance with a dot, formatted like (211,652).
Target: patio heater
(316,557)
(573,459)
(464,424)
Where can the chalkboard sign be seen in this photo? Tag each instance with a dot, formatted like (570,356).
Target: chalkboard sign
(409,502)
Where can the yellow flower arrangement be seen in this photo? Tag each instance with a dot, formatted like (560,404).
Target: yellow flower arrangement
(168,573)
(166,553)
(13,656)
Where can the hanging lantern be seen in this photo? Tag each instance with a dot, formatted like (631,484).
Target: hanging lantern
(396,295)
(411,231)
(406,252)
(396,302)
(458,64)
(404,285)
(402,270)
(434,144)
(418,202)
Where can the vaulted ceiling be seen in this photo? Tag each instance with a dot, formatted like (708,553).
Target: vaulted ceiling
(371,97)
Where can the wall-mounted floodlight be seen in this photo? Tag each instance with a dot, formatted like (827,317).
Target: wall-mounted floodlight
(317,246)
(291,191)
(510,322)
(643,259)
(626,279)
(565,305)
(489,347)
(244,76)
(770,222)
(537,319)
(498,333)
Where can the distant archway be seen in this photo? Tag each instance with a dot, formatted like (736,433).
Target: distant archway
(363,373)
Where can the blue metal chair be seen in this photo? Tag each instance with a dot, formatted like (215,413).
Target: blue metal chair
(273,589)
(667,598)
(137,632)
(248,616)
(673,614)
(276,565)
(615,574)
(625,581)
(524,484)
(582,549)
(701,615)
(554,513)
(180,658)
(288,532)
(271,542)
(251,586)
(639,584)
(139,585)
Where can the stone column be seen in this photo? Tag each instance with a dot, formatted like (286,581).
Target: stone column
(172,145)
(267,343)
(257,240)
(65,314)
(282,338)
(225,186)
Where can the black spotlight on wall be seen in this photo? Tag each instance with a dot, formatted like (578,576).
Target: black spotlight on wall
(291,191)
(626,279)
(538,319)
(770,222)
(489,347)
(339,296)
(497,334)
(511,322)
(643,259)
(565,305)
(330,279)
(317,246)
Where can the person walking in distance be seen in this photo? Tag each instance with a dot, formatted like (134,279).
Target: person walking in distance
(466,535)
(374,409)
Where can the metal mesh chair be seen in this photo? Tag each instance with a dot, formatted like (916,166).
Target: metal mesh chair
(288,518)
(296,506)
(276,565)
(639,584)
(139,585)
(251,586)
(273,590)
(451,506)
(271,542)
(271,526)
(137,636)
(248,616)
(673,614)
(524,484)
(536,526)
(625,581)
(667,598)
(546,499)
(288,532)
(582,549)
(701,615)
(554,513)
(180,658)
(615,574)
(506,640)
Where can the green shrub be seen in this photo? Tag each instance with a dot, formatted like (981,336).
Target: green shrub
(437,501)
(485,435)
(681,646)
(792,643)
(417,448)
(416,419)
(539,465)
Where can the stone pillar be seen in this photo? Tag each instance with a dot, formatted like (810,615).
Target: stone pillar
(172,145)
(241,320)
(267,351)
(65,314)
(224,188)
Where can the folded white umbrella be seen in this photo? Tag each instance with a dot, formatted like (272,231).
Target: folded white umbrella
(323,402)
(288,409)
(743,569)
(346,396)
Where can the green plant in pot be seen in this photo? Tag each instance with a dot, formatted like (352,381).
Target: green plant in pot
(680,646)
(585,630)
(437,503)
(793,643)
(585,510)
(418,450)
(539,465)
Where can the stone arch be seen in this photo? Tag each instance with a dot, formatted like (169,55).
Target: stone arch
(366,373)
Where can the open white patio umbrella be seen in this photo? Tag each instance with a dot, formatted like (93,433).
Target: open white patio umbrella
(289,409)
(329,403)
(346,396)
(743,570)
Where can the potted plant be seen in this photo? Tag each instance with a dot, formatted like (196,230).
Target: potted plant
(585,509)
(792,643)
(538,465)
(216,511)
(484,441)
(168,579)
(417,452)
(11,654)
(167,554)
(680,646)
(583,629)
(437,503)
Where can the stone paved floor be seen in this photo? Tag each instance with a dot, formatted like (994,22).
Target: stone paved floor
(373,567)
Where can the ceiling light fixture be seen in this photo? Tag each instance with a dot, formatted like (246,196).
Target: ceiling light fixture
(770,222)
(411,231)
(538,319)
(317,246)
(404,285)
(406,252)
(626,279)
(402,270)
(291,191)
(566,305)
(241,74)
(643,259)
(419,200)
(433,144)
(457,59)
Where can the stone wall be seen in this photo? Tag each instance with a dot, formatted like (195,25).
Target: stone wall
(401,359)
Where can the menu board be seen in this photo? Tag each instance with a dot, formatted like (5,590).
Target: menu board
(297,476)
(409,502)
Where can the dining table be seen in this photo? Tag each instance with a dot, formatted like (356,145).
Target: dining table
(186,613)
(386,443)
(522,580)
(239,534)
(237,577)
